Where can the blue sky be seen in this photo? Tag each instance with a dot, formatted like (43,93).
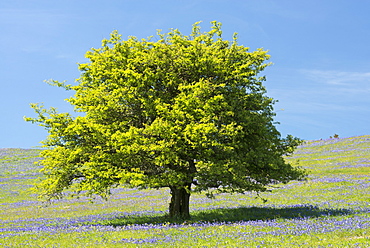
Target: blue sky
(320,50)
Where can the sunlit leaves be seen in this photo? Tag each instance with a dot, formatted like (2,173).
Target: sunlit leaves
(167,111)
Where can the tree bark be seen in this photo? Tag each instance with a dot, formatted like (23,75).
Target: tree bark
(179,205)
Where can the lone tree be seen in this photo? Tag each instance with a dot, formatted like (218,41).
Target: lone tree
(184,112)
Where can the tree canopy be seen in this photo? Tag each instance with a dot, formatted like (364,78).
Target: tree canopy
(185,112)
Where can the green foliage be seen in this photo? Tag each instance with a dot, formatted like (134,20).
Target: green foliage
(168,111)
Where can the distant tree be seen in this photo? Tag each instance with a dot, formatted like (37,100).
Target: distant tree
(184,112)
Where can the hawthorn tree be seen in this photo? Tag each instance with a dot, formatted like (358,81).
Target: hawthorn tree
(184,112)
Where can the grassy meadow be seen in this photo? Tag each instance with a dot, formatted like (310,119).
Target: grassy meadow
(330,209)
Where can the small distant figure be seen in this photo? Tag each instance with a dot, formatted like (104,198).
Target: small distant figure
(336,136)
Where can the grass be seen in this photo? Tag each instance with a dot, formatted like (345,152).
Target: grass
(331,209)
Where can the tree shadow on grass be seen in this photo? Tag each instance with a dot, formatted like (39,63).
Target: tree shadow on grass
(232,215)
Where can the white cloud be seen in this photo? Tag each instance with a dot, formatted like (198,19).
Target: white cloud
(323,93)
(338,77)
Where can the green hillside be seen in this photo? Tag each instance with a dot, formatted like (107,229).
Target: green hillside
(330,209)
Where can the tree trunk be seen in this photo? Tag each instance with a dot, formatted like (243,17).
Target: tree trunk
(179,205)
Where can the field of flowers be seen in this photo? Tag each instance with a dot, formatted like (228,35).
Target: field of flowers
(330,209)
